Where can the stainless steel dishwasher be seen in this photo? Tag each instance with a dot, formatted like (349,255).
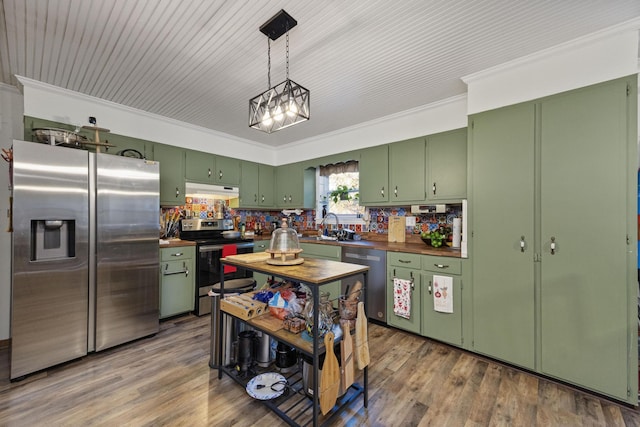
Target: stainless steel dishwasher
(376,292)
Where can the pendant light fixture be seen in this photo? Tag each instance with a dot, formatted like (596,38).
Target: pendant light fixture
(284,104)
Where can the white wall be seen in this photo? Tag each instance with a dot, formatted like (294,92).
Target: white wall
(10,128)
(47,102)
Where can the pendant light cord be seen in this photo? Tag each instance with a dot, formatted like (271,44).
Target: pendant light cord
(269,63)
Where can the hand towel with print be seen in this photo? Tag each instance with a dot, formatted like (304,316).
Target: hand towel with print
(443,294)
(402,298)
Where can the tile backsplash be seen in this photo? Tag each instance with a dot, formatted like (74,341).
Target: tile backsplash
(378,217)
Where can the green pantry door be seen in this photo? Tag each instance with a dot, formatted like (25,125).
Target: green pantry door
(583,206)
(557,170)
(502,182)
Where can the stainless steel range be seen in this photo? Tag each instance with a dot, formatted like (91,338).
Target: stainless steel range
(210,247)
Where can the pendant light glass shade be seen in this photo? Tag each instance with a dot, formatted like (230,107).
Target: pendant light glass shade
(281,106)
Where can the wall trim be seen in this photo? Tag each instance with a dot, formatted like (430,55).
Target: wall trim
(633,24)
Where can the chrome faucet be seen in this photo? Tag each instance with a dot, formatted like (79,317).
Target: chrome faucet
(325,220)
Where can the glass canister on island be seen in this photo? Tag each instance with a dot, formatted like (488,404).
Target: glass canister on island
(325,314)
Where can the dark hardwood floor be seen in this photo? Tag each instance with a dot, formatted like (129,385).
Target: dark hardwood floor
(166,381)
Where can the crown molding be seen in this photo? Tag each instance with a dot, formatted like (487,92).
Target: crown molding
(633,24)
(27,82)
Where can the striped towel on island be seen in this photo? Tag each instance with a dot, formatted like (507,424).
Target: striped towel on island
(402,298)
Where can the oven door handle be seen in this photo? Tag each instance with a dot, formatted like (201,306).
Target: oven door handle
(213,248)
(209,248)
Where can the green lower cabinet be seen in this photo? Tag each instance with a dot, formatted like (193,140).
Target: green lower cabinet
(442,299)
(413,323)
(177,281)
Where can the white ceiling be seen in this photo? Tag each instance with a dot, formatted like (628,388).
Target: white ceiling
(200,61)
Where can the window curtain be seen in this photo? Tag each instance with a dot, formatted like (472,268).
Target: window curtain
(342,167)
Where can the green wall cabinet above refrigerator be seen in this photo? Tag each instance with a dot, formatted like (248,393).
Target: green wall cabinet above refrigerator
(553,236)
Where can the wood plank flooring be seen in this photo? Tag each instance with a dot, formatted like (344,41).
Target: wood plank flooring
(166,381)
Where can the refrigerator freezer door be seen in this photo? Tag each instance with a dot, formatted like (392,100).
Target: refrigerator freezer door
(127,251)
(50,284)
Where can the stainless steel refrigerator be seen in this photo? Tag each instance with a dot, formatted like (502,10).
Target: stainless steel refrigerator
(85,253)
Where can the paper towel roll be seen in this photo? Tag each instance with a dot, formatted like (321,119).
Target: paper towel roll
(457,232)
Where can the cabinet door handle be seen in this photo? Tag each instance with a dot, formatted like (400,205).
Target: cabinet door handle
(434,188)
(177,192)
(429,287)
(553,245)
(395,191)
(186,271)
(220,174)
(290,198)
(284,198)
(522,244)
(178,254)
(441,265)
(209,173)
(255,198)
(262,198)
(382,191)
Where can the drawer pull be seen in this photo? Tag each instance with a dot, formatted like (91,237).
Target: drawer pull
(441,265)
(404,262)
(185,272)
(178,254)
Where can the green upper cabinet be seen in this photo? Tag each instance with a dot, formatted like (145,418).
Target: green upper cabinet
(447,166)
(227,171)
(374,175)
(172,161)
(290,186)
(407,171)
(127,146)
(207,168)
(256,185)
(199,166)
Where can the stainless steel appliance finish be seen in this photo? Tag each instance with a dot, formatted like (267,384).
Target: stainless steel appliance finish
(85,253)
(210,247)
(376,293)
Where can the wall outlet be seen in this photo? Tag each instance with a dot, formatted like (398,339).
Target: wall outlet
(411,221)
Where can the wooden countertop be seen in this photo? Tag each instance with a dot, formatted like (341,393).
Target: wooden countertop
(312,271)
(416,247)
(175,243)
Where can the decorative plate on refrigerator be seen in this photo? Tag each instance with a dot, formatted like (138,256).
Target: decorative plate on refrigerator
(267,386)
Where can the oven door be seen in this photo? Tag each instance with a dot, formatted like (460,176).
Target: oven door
(208,268)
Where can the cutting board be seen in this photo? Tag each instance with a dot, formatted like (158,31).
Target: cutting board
(362,341)
(397,232)
(330,379)
(250,257)
(346,354)
(267,321)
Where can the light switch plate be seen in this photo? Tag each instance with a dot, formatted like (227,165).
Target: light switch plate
(411,221)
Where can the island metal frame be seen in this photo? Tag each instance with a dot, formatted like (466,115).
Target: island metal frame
(314,273)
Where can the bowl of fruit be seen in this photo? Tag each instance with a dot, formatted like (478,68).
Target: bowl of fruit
(435,238)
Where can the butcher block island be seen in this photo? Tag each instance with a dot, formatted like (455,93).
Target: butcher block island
(296,399)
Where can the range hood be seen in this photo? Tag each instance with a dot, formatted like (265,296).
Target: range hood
(217,192)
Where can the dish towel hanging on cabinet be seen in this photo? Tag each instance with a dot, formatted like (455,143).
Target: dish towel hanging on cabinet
(443,294)
(402,297)
(226,251)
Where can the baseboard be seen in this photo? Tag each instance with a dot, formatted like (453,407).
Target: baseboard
(5,343)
